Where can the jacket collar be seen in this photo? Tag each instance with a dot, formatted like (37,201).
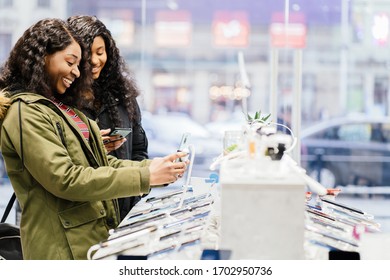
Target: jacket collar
(27,97)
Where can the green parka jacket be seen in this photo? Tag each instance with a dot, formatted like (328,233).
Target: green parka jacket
(67,188)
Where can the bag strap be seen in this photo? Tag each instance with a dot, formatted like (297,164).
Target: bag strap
(8,208)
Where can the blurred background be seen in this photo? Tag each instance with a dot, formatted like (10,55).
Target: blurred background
(320,67)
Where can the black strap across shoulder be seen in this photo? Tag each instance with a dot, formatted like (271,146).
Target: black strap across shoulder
(8,208)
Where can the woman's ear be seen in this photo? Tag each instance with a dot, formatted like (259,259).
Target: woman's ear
(45,59)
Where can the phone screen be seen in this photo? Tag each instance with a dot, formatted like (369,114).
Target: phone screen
(183,144)
(121,131)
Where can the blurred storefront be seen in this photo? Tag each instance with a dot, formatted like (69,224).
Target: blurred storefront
(181,51)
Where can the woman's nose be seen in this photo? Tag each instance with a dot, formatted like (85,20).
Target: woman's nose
(76,72)
(94,60)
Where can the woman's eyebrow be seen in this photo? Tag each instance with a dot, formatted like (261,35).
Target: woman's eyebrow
(75,56)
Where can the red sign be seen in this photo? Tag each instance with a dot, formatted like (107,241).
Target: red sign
(288,35)
(173,29)
(231,29)
(292,35)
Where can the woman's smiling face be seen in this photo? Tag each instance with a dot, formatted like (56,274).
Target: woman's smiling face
(63,67)
(98,56)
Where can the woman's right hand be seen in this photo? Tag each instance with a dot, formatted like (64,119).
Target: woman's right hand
(166,170)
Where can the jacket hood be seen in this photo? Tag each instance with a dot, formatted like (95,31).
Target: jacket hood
(5,102)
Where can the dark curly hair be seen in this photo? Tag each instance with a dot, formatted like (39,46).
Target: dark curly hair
(115,82)
(25,68)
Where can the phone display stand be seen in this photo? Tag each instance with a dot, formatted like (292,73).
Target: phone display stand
(191,151)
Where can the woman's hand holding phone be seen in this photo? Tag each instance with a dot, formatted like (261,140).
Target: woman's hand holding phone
(167,170)
(111,141)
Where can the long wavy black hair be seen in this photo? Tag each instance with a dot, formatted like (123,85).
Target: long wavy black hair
(115,82)
(24,70)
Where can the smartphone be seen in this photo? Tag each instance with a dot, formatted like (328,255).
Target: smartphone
(122,131)
(183,144)
(343,206)
(118,131)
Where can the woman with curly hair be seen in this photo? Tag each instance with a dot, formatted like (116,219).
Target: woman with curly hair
(112,103)
(66,184)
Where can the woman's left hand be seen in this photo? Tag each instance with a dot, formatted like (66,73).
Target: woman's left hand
(113,142)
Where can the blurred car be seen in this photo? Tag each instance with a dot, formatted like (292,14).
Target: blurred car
(165,131)
(350,150)
(235,122)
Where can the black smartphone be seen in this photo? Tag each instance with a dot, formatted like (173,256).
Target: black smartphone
(343,206)
(183,144)
(118,131)
(122,131)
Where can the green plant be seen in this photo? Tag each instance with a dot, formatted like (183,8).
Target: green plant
(257,117)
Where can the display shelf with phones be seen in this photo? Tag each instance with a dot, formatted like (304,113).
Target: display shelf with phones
(173,224)
(258,208)
(178,223)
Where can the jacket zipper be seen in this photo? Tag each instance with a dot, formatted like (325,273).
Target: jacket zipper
(59,128)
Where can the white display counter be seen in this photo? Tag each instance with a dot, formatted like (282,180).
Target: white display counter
(249,214)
